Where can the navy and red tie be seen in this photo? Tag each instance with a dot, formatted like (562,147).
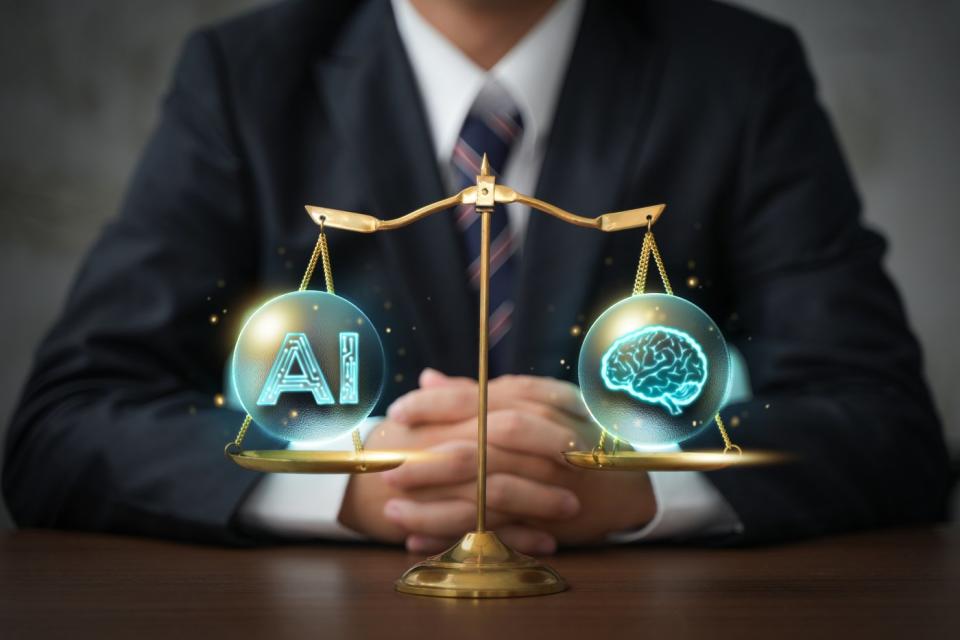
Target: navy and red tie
(492,130)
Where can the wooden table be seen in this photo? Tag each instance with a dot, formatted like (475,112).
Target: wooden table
(67,585)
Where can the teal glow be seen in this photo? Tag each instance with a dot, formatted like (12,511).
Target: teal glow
(296,350)
(658,365)
(349,367)
(623,403)
(308,366)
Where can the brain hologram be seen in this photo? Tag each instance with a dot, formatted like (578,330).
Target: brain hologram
(657,365)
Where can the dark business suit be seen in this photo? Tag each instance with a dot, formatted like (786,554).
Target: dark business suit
(698,105)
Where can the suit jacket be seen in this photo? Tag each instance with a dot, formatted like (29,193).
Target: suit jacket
(707,108)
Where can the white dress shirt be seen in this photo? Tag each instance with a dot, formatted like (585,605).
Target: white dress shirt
(531,74)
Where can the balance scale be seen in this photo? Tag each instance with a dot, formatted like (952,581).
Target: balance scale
(480,565)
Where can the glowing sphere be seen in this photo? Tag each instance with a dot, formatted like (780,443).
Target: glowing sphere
(654,370)
(308,365)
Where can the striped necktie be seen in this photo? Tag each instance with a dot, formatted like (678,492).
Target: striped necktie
(492,127)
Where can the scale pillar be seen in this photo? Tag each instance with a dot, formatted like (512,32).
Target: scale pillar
(480,565)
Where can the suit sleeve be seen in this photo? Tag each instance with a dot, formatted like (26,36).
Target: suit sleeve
(836,372)
(117,429)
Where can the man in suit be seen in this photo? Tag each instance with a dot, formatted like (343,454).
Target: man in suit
(376,107)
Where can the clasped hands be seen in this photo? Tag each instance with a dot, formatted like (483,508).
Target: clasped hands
(535,500)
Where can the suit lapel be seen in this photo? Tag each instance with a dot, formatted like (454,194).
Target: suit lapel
(603,106)
(370,92)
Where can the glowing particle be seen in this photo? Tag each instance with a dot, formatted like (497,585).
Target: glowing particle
(388,330)
(563,361)
(693,281)
(359,322)
(766,406)
(735,421)
(691,264)
(316,307)
(398,377)
(219,400)
(221,284)
(608,260)
(387,305)
(576,330)
(401,351)
(192,410)
(281,250)
(214,318)
(294,413)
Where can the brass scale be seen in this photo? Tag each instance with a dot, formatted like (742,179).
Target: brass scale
(480,565)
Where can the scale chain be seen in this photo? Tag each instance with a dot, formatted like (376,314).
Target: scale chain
(639,287)
(321,253)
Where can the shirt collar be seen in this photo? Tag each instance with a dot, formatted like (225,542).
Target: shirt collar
(449,82)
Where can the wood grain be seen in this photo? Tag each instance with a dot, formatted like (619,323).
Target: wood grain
(886,584)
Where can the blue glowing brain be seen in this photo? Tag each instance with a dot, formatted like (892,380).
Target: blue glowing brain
(658,365)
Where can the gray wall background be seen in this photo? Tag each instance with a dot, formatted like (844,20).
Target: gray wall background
(80,84)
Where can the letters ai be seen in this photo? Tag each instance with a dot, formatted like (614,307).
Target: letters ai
(295,351)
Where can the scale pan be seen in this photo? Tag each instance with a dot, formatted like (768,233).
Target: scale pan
(286,461)
(669,461)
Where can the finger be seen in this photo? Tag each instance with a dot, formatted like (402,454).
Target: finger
(519,431)
(524,432)
(439,519)
(445,403)
(528,540)
(516,496)
(511,495)
(432,378)
(518,537)
(455,462)
(420,543)
(578,424)
(550,391)
(453,402)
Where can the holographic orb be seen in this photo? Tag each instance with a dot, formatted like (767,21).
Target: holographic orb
(308,366)
(654,370)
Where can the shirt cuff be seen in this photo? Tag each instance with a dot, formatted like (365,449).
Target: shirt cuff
(688,506)
(303,505)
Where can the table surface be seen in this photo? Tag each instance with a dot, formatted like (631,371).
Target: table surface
(892,583)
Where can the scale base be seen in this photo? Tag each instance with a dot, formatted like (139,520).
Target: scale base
(480,566)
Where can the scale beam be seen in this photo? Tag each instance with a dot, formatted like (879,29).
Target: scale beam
(363,223)
(480,565)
